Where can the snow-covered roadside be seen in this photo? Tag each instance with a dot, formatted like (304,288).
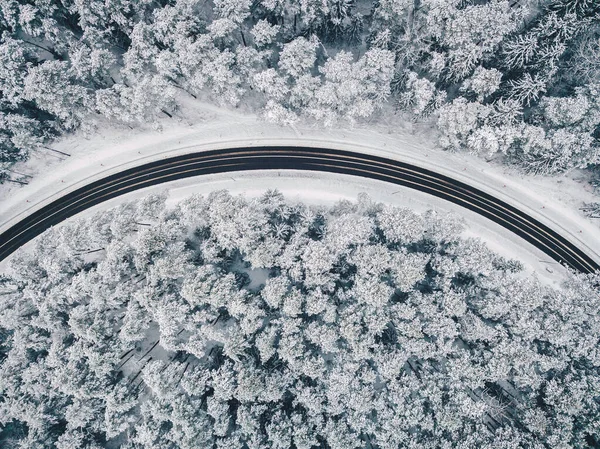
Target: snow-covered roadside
(553,201)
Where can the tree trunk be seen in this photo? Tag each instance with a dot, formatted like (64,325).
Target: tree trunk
(17,173)
(139,372)
(125,361)
(49,50)
(181,377)
(57,151)
(183,89)
(414,370)
(17,182)
(144,277)
(90,252)
(148,351)
(132,349)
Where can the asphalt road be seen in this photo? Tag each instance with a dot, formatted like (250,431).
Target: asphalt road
(298,158)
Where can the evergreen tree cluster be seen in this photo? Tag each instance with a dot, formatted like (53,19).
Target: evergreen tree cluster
(516,78)
(233,323)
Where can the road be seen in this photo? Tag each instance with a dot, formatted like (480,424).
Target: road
(298,158)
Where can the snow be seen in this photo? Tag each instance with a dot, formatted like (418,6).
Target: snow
(553,201)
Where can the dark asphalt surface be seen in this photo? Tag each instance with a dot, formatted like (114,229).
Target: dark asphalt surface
(298,158)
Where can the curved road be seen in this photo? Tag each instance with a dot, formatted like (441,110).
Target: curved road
(298,158)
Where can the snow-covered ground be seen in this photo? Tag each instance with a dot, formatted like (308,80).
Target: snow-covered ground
(553,201)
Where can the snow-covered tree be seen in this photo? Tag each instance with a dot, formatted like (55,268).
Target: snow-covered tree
(376,325)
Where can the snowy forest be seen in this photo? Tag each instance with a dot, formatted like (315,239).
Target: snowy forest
(226,322)
(517,80)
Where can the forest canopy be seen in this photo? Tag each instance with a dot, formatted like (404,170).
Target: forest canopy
(228,322)
(518,79)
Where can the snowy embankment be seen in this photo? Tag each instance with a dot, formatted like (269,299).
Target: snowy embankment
(553,201)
